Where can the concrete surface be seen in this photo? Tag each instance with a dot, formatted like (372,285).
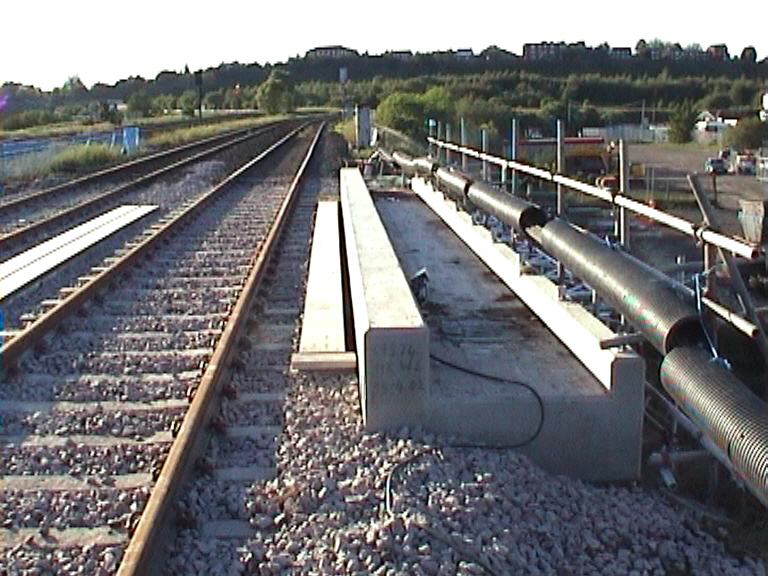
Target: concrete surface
(392,341)
(591,422)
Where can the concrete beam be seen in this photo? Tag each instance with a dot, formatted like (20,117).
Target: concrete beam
(322,345)
(593,436)
(391,338)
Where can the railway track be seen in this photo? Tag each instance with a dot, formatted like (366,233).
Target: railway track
(288,481)
(26,220)
(168,188)
(94,391)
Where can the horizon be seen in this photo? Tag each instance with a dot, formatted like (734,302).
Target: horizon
(140,42)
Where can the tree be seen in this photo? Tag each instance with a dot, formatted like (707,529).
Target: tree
(214,100)
(164,104)
(140,104)
(681,122)
(188,102)
(743,92)
(717,101)
(749,133)
(232,99)
(438,104)
(74,86)
(275,94)
(749,54)
(402,111)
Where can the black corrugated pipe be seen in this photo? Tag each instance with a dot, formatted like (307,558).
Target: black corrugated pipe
(515,212)
(651,306)
(724,409)
(425,166)
(454,184)
(405,162)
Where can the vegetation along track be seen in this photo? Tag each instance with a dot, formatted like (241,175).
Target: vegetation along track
(88,415)
(28,219)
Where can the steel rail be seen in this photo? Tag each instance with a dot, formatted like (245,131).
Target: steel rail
(696,231)
(34,333)
(143,552)
(24,233)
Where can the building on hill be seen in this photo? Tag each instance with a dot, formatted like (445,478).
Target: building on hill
(554,50)
(544,51)
(402,55)
(718,52)
(331,52)
(621,53)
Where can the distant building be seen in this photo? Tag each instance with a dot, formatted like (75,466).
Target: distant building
(331,52)
(715,123)
(694,55)
(621,53)
(655,53)
(402,55)
(553,50)
(718,52)
(544,51)
(465,54)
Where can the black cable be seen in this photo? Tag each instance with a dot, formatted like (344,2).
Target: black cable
(493,378)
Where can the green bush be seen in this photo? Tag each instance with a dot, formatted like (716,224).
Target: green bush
(749,133)
(681,122)
(84,158)
(28,119)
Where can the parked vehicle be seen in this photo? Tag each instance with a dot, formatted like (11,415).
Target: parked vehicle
(716,166)
(746,164)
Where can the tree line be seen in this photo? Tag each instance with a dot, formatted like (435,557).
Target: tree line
(584,88)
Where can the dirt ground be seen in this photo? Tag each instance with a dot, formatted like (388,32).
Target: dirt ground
(669,160)
(671,163)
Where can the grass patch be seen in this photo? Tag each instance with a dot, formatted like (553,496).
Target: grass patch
(347,129)
(84,158)
(177,137)
(52,130)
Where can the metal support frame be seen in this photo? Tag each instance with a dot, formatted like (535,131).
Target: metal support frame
(463,139)
(738,247)
(710,219)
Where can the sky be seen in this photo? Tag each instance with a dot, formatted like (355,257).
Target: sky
(108,41)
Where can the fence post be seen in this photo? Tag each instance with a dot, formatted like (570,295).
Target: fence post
(448,140)
(624,189)
(430,146)
(484,145)
(440,151)
(513,145)
(560,190)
